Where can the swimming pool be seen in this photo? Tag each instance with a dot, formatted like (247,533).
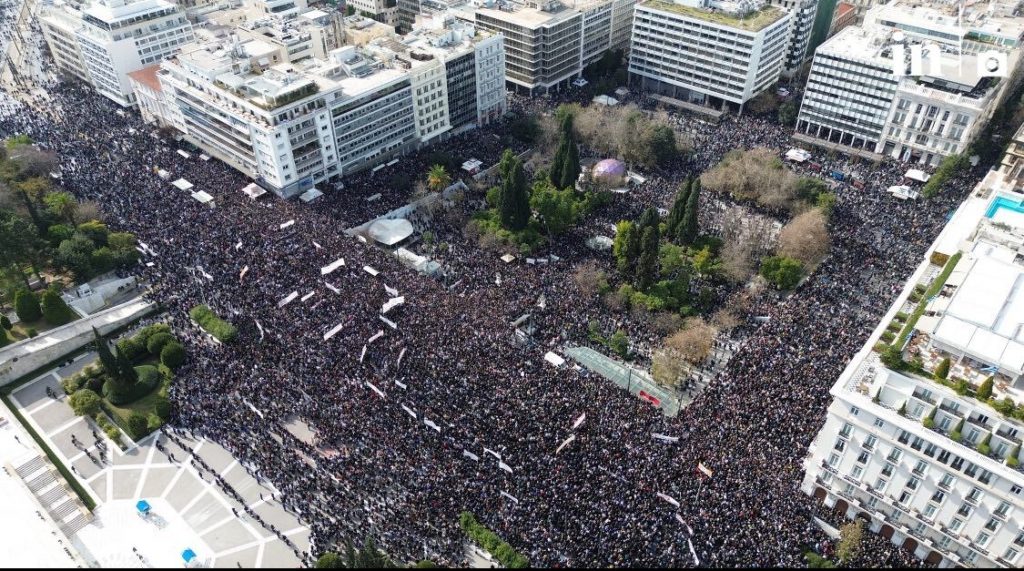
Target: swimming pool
(1005,202)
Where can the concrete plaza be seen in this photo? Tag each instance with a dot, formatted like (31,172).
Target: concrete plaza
(189,511)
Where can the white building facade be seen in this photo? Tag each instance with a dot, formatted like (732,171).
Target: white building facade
(295,124)
(683,50)
(802,21)
(107,39)
(932,465)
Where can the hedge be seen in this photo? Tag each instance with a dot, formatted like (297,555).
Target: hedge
(149,378)
(933,289)
(490,542)
(208,320)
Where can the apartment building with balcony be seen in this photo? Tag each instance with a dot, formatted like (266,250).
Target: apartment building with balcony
(803,14)
(923,437)
(935,107)
(291,125)
(708,52)
(101,42)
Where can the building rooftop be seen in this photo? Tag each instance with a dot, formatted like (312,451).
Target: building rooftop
(147,77)
(752,21)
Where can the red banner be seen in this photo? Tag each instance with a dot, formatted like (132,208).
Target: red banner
(649,398)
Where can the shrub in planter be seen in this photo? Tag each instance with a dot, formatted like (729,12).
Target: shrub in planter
(85,402)
(208,320)
(157,342)
(172,355)
(985,389)
(942,370)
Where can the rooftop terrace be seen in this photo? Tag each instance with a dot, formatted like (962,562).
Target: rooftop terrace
(752,22)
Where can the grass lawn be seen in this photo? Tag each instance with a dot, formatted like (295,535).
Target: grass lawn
(143,406)
(20,329)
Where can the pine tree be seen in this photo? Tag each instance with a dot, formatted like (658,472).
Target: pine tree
(647,266)
(107,358)
(571,163)
(687,230)
(675,216)
(126,372)
(648,219)
(515,201)
(508,158)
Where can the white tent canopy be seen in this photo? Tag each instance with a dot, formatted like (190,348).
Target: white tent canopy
(798,155)
(472,166)
(182,184)
(203,197)
(390,232)
(254,191)
(918,175)
(903,192)
(310,195)
(163,174)
(606,100)
(554,358)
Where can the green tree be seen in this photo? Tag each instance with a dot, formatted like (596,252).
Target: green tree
(76,255)
(156,343)
(55,310)
(126,371)
(942,370)
(648,219)
(625,247)
(929,421)
(1011,458)
(17,243)
(983,446)
(438,178)
(647,265)
(687,230)
(787,113)
(107,358)
(136,424)
(95,231)
(782,272)
(556,209)
(331,560)
(515,201)
(850,536)
(619,343)
(26,306)
(705,263)
(85,402)
(508,160)
(57,233)
(62,205)
(985,390)
(5,323)
(571,164)
(956,433)
(661,140)
(676,214)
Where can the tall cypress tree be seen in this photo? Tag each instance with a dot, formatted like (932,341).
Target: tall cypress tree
(519,197)
(675,216)
(562,154)
(647,265)
(687,231)
(571,164)
(106,357)
(505,165)
(648,218)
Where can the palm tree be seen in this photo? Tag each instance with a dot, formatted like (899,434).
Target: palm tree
(438,178)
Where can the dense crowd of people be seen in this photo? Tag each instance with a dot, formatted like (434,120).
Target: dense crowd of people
(446,412)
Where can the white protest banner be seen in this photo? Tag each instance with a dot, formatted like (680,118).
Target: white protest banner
(242,273)
(694,553)
(579,421)
(332,266)
(331,287)
(373,272)
(388,322)
(704,469)
(680,519)
(307,296)
(409,410)
(470,455)
(376,390)
(566,443)
(668,499)
(510,496)
(400,354)
(401,384)
(432,424)
(492,453)
(391,291)
(238,246)
(392,303)
(260,327)
(334,330)
(376,336)
(287,224)
(664,438)
(363,354)
(318,246)
(288,299)
(505,467)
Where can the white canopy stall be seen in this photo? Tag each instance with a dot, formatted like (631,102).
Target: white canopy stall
(390,232)
(254,191)
(472,166)
(918,175)
(798,155)
(310,195)
(182,184)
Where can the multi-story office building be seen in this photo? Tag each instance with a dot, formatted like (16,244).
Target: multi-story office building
(100,43)
(293,124)
(912,444)
(938,104)
(803,13)
(308,35)
(708,52)
(845,15)
(547,42)
(384,11)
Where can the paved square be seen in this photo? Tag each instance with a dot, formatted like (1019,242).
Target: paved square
(189,511)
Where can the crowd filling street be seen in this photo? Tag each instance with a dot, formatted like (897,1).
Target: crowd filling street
(446,412)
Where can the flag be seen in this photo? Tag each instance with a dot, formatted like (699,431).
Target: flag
(401,384)
(376,390)
(692,552)
(704,469)
(288,299)
(432,424)
(505,467)
(668,499)
(566,443)
(363,354)
(306,297)
(510,496)
(492,453)
(470,455)
(680,519)
(579,421)
(409,410)
(333,331)
(375,337)
(400,354)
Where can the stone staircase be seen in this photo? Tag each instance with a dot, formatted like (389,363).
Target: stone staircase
(63,507)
